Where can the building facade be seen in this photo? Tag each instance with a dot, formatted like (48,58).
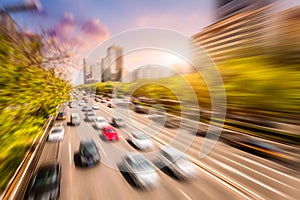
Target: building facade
(112,64)
(246,32)
(227,8)
(110,68)
(151,72)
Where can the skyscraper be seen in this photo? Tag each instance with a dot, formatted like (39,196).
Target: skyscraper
(243,28)
(112,64)
(227,8)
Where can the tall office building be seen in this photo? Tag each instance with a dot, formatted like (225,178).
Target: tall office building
(96,72)
(112,64)
(151,72)
(287,34)
(227,8)
(239,32)
(85,72)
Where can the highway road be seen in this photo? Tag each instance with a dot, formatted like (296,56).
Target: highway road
(225,173)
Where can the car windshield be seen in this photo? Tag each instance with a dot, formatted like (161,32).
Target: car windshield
(61,114)
(140,136)
(109,130)
(91,114)
(119,120)
(44,178)
(141,165)
(100,120)
(55,131)
(89,149)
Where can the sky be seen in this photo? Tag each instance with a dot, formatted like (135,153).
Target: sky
(86,23)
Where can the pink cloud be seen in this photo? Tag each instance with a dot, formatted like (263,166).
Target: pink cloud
(83,36)
(93,26)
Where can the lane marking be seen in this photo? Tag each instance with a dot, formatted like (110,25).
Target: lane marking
(227,182)
(70,154)
(261,174)
(184,194)
(266,167)
(218,179)
(211,173)
(225,166)
(122,138)
(100,146)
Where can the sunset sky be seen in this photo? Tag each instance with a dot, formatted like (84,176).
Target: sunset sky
(86,23)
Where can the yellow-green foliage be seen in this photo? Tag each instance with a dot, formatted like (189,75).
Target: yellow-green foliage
(28,94)
(253,84)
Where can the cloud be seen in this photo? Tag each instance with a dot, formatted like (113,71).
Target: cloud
(81,35)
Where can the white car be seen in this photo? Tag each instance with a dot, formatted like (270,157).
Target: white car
(96,107)
(90,116)
(100,122)
(140,140)
(141,170)
(72,105)
(177,162)
(56,133)
(81,103)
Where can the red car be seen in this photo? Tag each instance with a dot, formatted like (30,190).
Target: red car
(109,133)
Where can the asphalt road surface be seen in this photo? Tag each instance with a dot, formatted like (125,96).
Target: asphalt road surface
(225,173)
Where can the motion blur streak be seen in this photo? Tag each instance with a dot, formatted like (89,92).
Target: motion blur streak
(47,66)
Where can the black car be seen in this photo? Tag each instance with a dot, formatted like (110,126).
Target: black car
(88,152)
(45,184)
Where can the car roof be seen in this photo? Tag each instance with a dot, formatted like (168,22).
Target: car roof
(50,166)
(172,152)
(57,128)
(74,114)
(87,141)
(138,133)
(99,117)
(108,127)
(135,156)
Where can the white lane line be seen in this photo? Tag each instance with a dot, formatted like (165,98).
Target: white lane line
(266,167)
(261,174)
(100,146)
(70,154)
(213,175)
(184,194)
(123,138)
(225,166)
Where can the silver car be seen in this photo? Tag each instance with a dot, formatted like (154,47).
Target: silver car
(141,170)
(90,116)
(56,134)
(140,140)
(178,163)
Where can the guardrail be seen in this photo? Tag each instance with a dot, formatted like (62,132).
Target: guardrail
(27,167)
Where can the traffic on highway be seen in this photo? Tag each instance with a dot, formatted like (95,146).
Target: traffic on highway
(98,159)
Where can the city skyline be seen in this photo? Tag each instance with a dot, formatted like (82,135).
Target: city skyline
(65,21)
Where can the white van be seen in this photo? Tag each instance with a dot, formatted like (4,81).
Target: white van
(75,119)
